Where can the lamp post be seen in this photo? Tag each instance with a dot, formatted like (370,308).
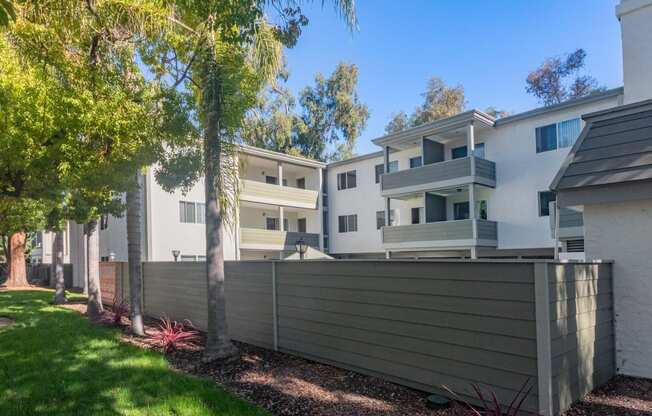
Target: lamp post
(176,253)
(301,247)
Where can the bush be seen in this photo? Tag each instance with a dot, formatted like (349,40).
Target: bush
(492,406)
(172,334)
(120,309)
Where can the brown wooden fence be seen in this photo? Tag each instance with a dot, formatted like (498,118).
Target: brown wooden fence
(423,324)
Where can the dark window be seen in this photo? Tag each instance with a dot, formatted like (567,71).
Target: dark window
(416,215)
(271,223)
(346,180)
(272,180)
(285,182)
(459,152)
(545,198)
(104,222)
(416,162)
(479,150)
(380,169)
(393,166)
(348,223)
(482,210)
(301,183)
(325,220)
(285,224)
(461,210)
(325,243)
(187,212)
(301,225)
(380,219)
(546,138)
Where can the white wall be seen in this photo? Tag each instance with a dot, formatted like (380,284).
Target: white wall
(521,173)
(622,232)
(636,29)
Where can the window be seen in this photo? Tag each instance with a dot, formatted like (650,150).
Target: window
(416,162)
(301,225)
(285,182)
(187,212)
(301,183)
(346,180)
(380,169)
(479,150)
(482,209)
(286,223)
(459,152)
(380,218)
(325,243)
(272,180)
(545,198)
(104,222)
(201,213)
(201,258)
(271,223)
(348,223)
(416,215)
(461,210)
(558,135)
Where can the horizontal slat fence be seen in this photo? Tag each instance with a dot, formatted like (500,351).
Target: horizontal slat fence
(423,324)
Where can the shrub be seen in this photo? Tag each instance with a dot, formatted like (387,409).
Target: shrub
(172,333)
(120,309)
(492,406)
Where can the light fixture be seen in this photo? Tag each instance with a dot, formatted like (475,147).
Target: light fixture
(301,247)
(111,256)
(176,253)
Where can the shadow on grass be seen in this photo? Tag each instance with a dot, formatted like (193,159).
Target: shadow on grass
(54,361)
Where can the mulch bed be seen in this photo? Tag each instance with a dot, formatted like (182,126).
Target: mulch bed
(6,321)
(291,386)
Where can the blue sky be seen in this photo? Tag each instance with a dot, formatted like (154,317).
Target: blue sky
(487,46)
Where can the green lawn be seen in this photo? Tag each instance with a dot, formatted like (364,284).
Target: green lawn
(54,362)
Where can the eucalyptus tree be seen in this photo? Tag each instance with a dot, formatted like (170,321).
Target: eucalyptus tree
(231,50)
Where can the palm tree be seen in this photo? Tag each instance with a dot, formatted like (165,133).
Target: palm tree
(57,262)
(135,257)
(95,307)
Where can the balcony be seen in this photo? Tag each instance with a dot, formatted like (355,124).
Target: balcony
(446,174)
(440,235)
(264,193)
(261,239)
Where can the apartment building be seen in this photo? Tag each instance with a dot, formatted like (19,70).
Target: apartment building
(465,186)
(280,204)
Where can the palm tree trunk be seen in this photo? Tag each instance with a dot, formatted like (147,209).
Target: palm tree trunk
(218,344)
(135,261)
(17,269)
(59,279)
(95,307)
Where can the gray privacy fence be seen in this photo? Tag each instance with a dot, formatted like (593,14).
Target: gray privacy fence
(423,324)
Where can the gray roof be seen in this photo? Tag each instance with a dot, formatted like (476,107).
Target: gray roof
(615,147)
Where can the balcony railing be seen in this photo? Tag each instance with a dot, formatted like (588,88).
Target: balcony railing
(260,239)
(439,175)
(441,234)
(265,193)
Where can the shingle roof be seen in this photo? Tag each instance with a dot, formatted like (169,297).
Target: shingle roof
(614,147)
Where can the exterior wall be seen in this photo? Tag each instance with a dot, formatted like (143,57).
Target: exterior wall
(621,231)
(635,17)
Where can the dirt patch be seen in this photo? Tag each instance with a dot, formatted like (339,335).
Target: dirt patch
(6,321)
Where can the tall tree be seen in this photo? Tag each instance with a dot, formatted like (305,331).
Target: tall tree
(332,114)
(559,79)
(231,52)
(439,101)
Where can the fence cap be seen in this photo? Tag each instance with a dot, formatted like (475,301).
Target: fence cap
(431,260)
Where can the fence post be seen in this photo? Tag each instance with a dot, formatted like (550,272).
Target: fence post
(544,347)
(274,306)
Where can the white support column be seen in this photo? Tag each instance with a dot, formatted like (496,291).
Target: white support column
(320,207)
(281,215)
(556,213)
(470,146)
(474,219)
(279,168)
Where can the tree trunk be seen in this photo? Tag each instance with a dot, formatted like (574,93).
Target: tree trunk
(218,344)
(135,261)
(57,262)
(17,276)
(95,307)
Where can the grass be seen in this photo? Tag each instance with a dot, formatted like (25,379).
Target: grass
(53,361)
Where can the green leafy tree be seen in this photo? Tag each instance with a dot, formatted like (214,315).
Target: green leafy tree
(332,114)
(440,101)
(560,79)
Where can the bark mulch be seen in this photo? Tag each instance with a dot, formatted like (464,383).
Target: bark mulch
(621,396)
(291,386)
